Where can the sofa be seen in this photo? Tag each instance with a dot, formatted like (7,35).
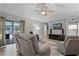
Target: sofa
(70,47)
(28,45)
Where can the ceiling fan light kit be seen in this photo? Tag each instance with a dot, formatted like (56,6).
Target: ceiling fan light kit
(43,13)
(44,10)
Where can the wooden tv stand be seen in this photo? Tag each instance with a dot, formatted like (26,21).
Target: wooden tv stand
(57,37)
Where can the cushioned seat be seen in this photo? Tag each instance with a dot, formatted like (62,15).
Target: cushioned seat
(70,46)
(44,49)
(27,45)
(40,49)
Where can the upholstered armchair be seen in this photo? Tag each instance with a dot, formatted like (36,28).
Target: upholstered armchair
(28,46)
(70,46)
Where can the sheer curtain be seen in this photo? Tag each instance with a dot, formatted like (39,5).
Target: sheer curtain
(78,28)
(22,26)
(2,31)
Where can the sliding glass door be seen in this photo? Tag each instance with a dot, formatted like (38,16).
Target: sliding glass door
(7,30)
(11,27)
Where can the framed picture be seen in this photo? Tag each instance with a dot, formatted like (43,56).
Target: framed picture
(57,26)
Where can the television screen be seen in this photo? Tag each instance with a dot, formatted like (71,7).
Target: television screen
(57,26)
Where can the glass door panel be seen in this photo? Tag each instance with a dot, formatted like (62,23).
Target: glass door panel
(9,32)
(16,27)
(11,27)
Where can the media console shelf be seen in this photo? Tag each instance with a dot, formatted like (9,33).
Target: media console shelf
(57,37)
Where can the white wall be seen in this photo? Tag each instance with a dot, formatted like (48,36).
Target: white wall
(30,25)
(0,8)
(75,20)
(65,25)
(35,26)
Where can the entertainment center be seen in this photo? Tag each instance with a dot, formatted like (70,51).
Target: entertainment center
(60,37)
(57,37)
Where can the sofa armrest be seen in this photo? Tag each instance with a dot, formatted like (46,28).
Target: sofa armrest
(73,46)
(61,48)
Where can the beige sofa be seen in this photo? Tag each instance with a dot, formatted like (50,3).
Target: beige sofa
(70,46)
(27,45)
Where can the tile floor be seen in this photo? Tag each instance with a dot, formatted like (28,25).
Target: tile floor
(10,50)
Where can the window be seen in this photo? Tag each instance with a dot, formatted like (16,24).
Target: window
(72,27)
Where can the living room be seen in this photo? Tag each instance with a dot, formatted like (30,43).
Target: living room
(55,25)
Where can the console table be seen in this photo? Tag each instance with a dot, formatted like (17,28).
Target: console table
(57,37)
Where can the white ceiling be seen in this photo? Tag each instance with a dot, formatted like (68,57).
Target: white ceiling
(29,10)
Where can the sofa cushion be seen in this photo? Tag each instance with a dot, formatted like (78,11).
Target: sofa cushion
(32,51)
(35,43)
(24,45)
(44,49)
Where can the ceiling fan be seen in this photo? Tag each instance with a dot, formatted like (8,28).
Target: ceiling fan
(44,10)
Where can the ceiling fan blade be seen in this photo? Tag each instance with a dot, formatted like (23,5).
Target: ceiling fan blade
(38,10)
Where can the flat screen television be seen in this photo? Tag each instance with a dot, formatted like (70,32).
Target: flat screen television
(57,26)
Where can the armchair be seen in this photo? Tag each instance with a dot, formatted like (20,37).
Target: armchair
(28,46)
(70,46)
